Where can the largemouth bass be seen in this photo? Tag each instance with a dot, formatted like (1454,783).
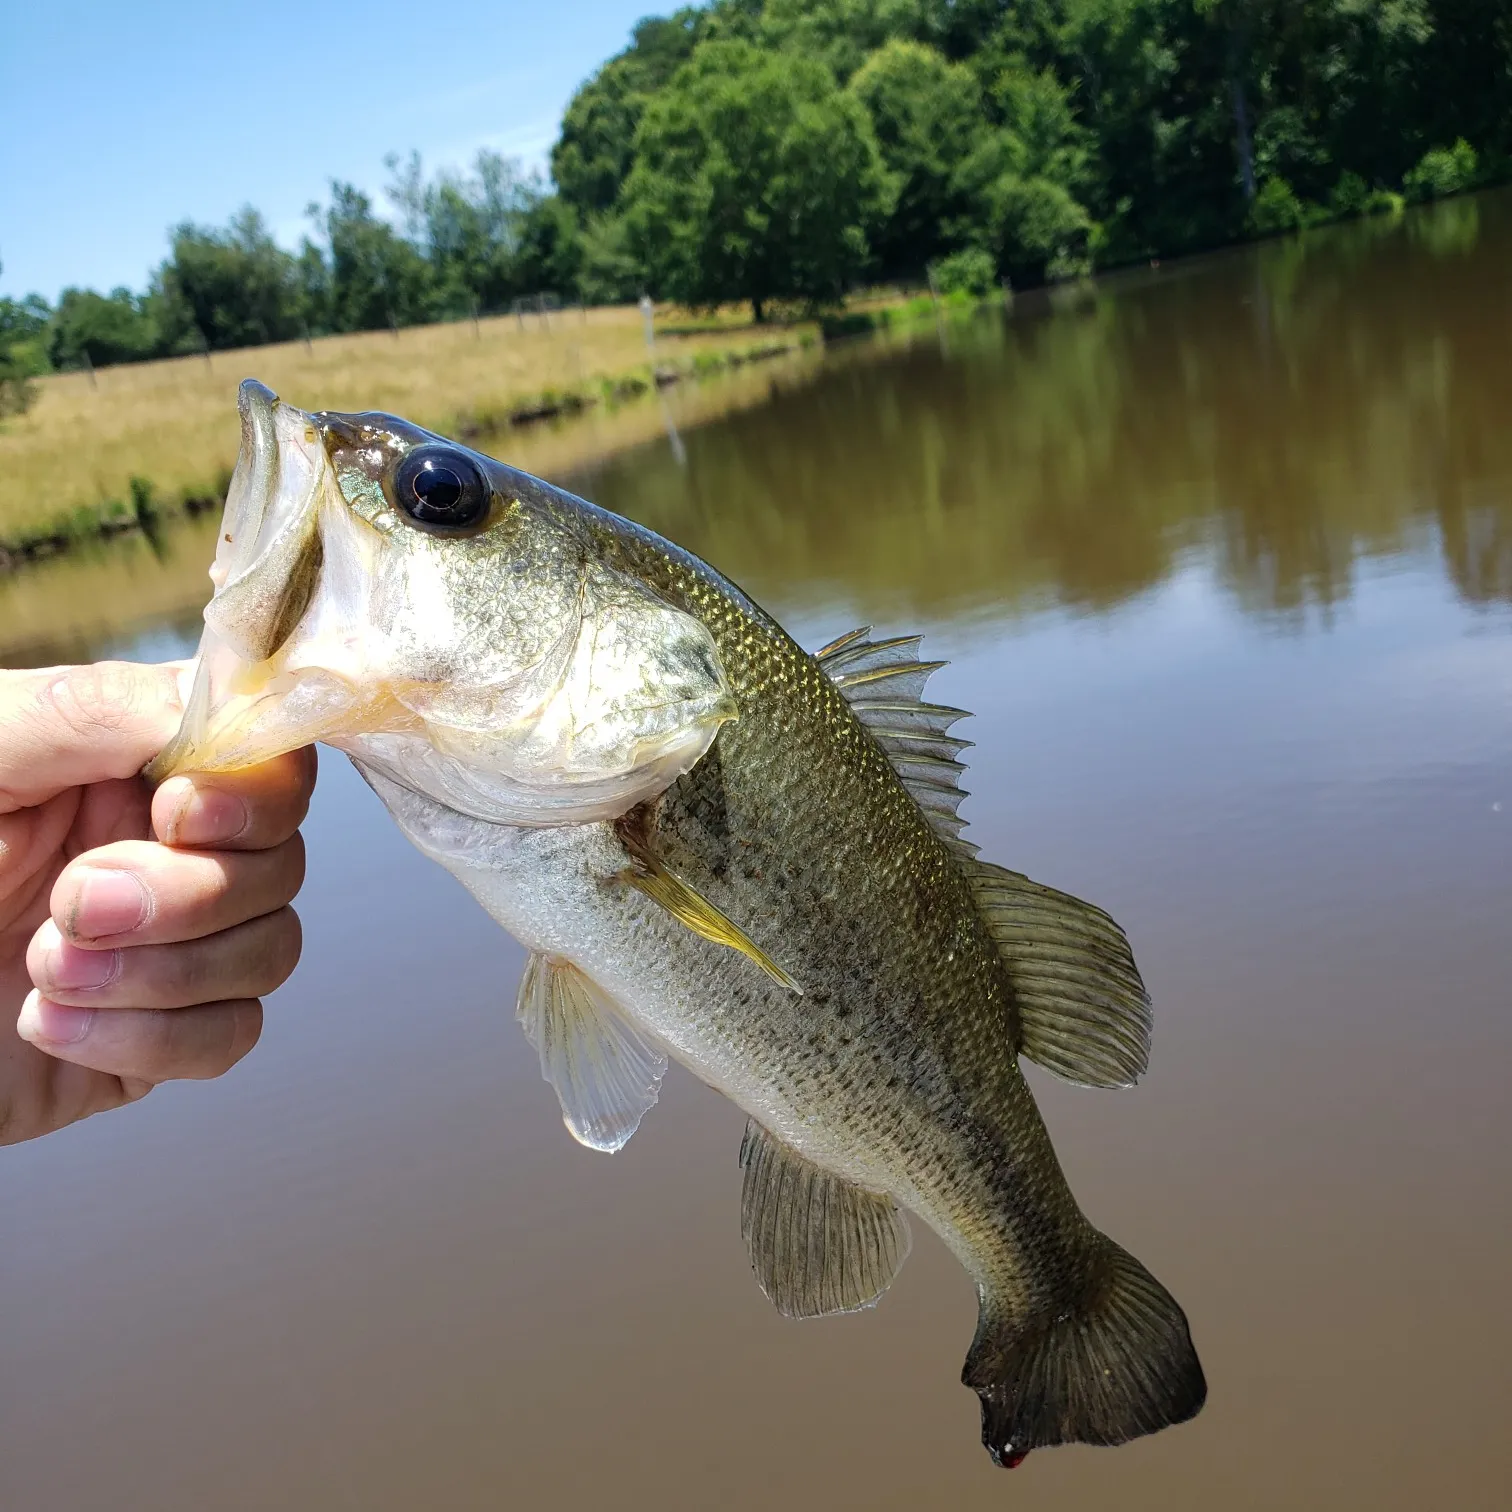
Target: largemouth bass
(718,849)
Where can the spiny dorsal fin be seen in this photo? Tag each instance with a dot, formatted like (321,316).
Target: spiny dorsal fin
(884,683)
(605,1075)
(819,1244)
(1083,1006)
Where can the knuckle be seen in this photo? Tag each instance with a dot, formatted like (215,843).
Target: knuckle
(290,866)
(283,948)
(183,1043)
(246,1029)
(91,700)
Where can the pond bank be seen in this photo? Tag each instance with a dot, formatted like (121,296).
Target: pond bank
(148,506)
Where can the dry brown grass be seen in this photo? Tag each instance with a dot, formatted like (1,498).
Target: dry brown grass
(71,605)
(174,423)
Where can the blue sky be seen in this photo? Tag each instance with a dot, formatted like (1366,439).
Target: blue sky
(119,119)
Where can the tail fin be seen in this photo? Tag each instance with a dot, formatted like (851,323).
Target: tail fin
(1118,1365)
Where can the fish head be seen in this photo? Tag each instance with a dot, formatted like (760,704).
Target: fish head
(458,626)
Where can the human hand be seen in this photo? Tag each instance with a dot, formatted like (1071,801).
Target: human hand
(150,923)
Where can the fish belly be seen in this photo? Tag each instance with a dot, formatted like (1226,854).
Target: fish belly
(558,891)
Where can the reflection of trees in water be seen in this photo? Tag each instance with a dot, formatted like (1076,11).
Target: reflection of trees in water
(1294,407)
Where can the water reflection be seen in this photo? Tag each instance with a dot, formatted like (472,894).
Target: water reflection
(1293,407)
(1296,407)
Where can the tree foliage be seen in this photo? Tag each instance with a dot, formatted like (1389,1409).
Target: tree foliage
(927,115)
(755,178)
(232,288)
(786,149)
(23,351)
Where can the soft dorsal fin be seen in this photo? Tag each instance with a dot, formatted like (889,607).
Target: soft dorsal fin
(605,1075)
(884,683)
(1083,1006)
(818,1243)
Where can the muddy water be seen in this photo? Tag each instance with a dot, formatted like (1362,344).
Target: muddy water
(1222,556)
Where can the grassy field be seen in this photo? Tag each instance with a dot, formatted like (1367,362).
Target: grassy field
(67,605)
(173,424)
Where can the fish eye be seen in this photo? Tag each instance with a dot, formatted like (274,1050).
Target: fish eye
(441,487)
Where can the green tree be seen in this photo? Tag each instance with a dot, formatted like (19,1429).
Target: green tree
(1024,180)
(755,178)
(23,351)
(376,277)
(99,329)
(593,151)
(839,33)
(471,228)
(928,119)
(609,271)
(549,258)
(234,287)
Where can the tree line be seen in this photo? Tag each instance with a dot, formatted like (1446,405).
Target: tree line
(787,150)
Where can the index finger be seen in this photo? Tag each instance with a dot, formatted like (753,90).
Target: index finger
(63,727)
(254,809)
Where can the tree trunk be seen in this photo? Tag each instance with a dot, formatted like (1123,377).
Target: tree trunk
(1242,138)
(1238,51)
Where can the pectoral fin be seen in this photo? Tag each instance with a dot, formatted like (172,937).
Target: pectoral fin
(819,1244)
(605,1074)
(692,909)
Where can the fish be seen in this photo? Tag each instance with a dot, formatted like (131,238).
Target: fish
(717,849)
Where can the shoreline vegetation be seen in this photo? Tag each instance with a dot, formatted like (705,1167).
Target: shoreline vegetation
(149,462)
(155,442)
(782,153)
(1279,405)
(136,447)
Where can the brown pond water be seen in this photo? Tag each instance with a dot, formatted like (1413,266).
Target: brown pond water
(1222,556)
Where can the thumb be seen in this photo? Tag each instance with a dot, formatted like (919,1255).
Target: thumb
(61,727)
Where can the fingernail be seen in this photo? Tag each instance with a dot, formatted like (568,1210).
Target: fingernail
(109,903)
(69,969)
(202,815)
(54,1023)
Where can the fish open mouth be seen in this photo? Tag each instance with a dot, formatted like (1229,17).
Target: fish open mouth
(250,699)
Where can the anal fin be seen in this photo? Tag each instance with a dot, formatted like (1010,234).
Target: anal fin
(1081,1001)
(605,1074)
(819,1244)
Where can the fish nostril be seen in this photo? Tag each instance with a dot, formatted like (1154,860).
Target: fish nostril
(338,430)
